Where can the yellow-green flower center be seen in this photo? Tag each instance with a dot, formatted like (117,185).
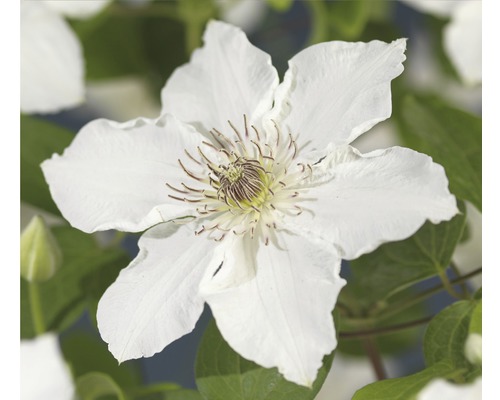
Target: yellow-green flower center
(242,183)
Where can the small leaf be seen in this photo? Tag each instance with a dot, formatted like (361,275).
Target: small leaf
(397,265)
(96,384)
(222,374)
(39,140)
(78,281)
(451,137)
(446,334)
(405,388)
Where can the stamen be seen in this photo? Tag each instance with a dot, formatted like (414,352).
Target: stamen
(189,173)
(204,156)
(246,126)
(210,145)
(177,190)
(256,132)
(258,147)
(235,130)
(191,189)
(215,138)
(277,132)
(192,158)
(226,139)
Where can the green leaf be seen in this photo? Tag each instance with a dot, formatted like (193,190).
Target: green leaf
(85,273)
(476,320)
(405,388)
(39,140)
(349,18)
(222,374)
(397,265)
(112,46)
(164,43)
(86,353)
(446,334)
(163,391)
(94,385)
(387,343)
(452,137)
(183,394)
(280,5)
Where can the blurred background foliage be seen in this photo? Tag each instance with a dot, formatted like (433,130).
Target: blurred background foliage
(130,50)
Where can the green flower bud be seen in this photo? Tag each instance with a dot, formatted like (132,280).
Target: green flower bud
(41,256)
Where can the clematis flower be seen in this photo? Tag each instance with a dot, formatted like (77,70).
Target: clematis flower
(251,196)
(52,65)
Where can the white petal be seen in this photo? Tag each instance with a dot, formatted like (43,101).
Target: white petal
(438,8)
(113,176)
(225,79)
(281,318)
(77,8)
(155,300)
(44,373)
(360,201)
(463,40)
(335,91)
(468,254)
(52,76)
(440,389)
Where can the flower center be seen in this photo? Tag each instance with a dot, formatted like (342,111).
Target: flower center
(241,182)
(244,179)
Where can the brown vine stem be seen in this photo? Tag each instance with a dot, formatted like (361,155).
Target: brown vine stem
(463,286)
(449,286)
(374,356)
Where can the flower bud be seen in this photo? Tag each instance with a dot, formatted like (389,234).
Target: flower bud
(41,256)
(473,348)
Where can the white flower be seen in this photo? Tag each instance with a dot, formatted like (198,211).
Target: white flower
(266,205)
(440,389)
(52,65)
(462,36)
(44,373)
